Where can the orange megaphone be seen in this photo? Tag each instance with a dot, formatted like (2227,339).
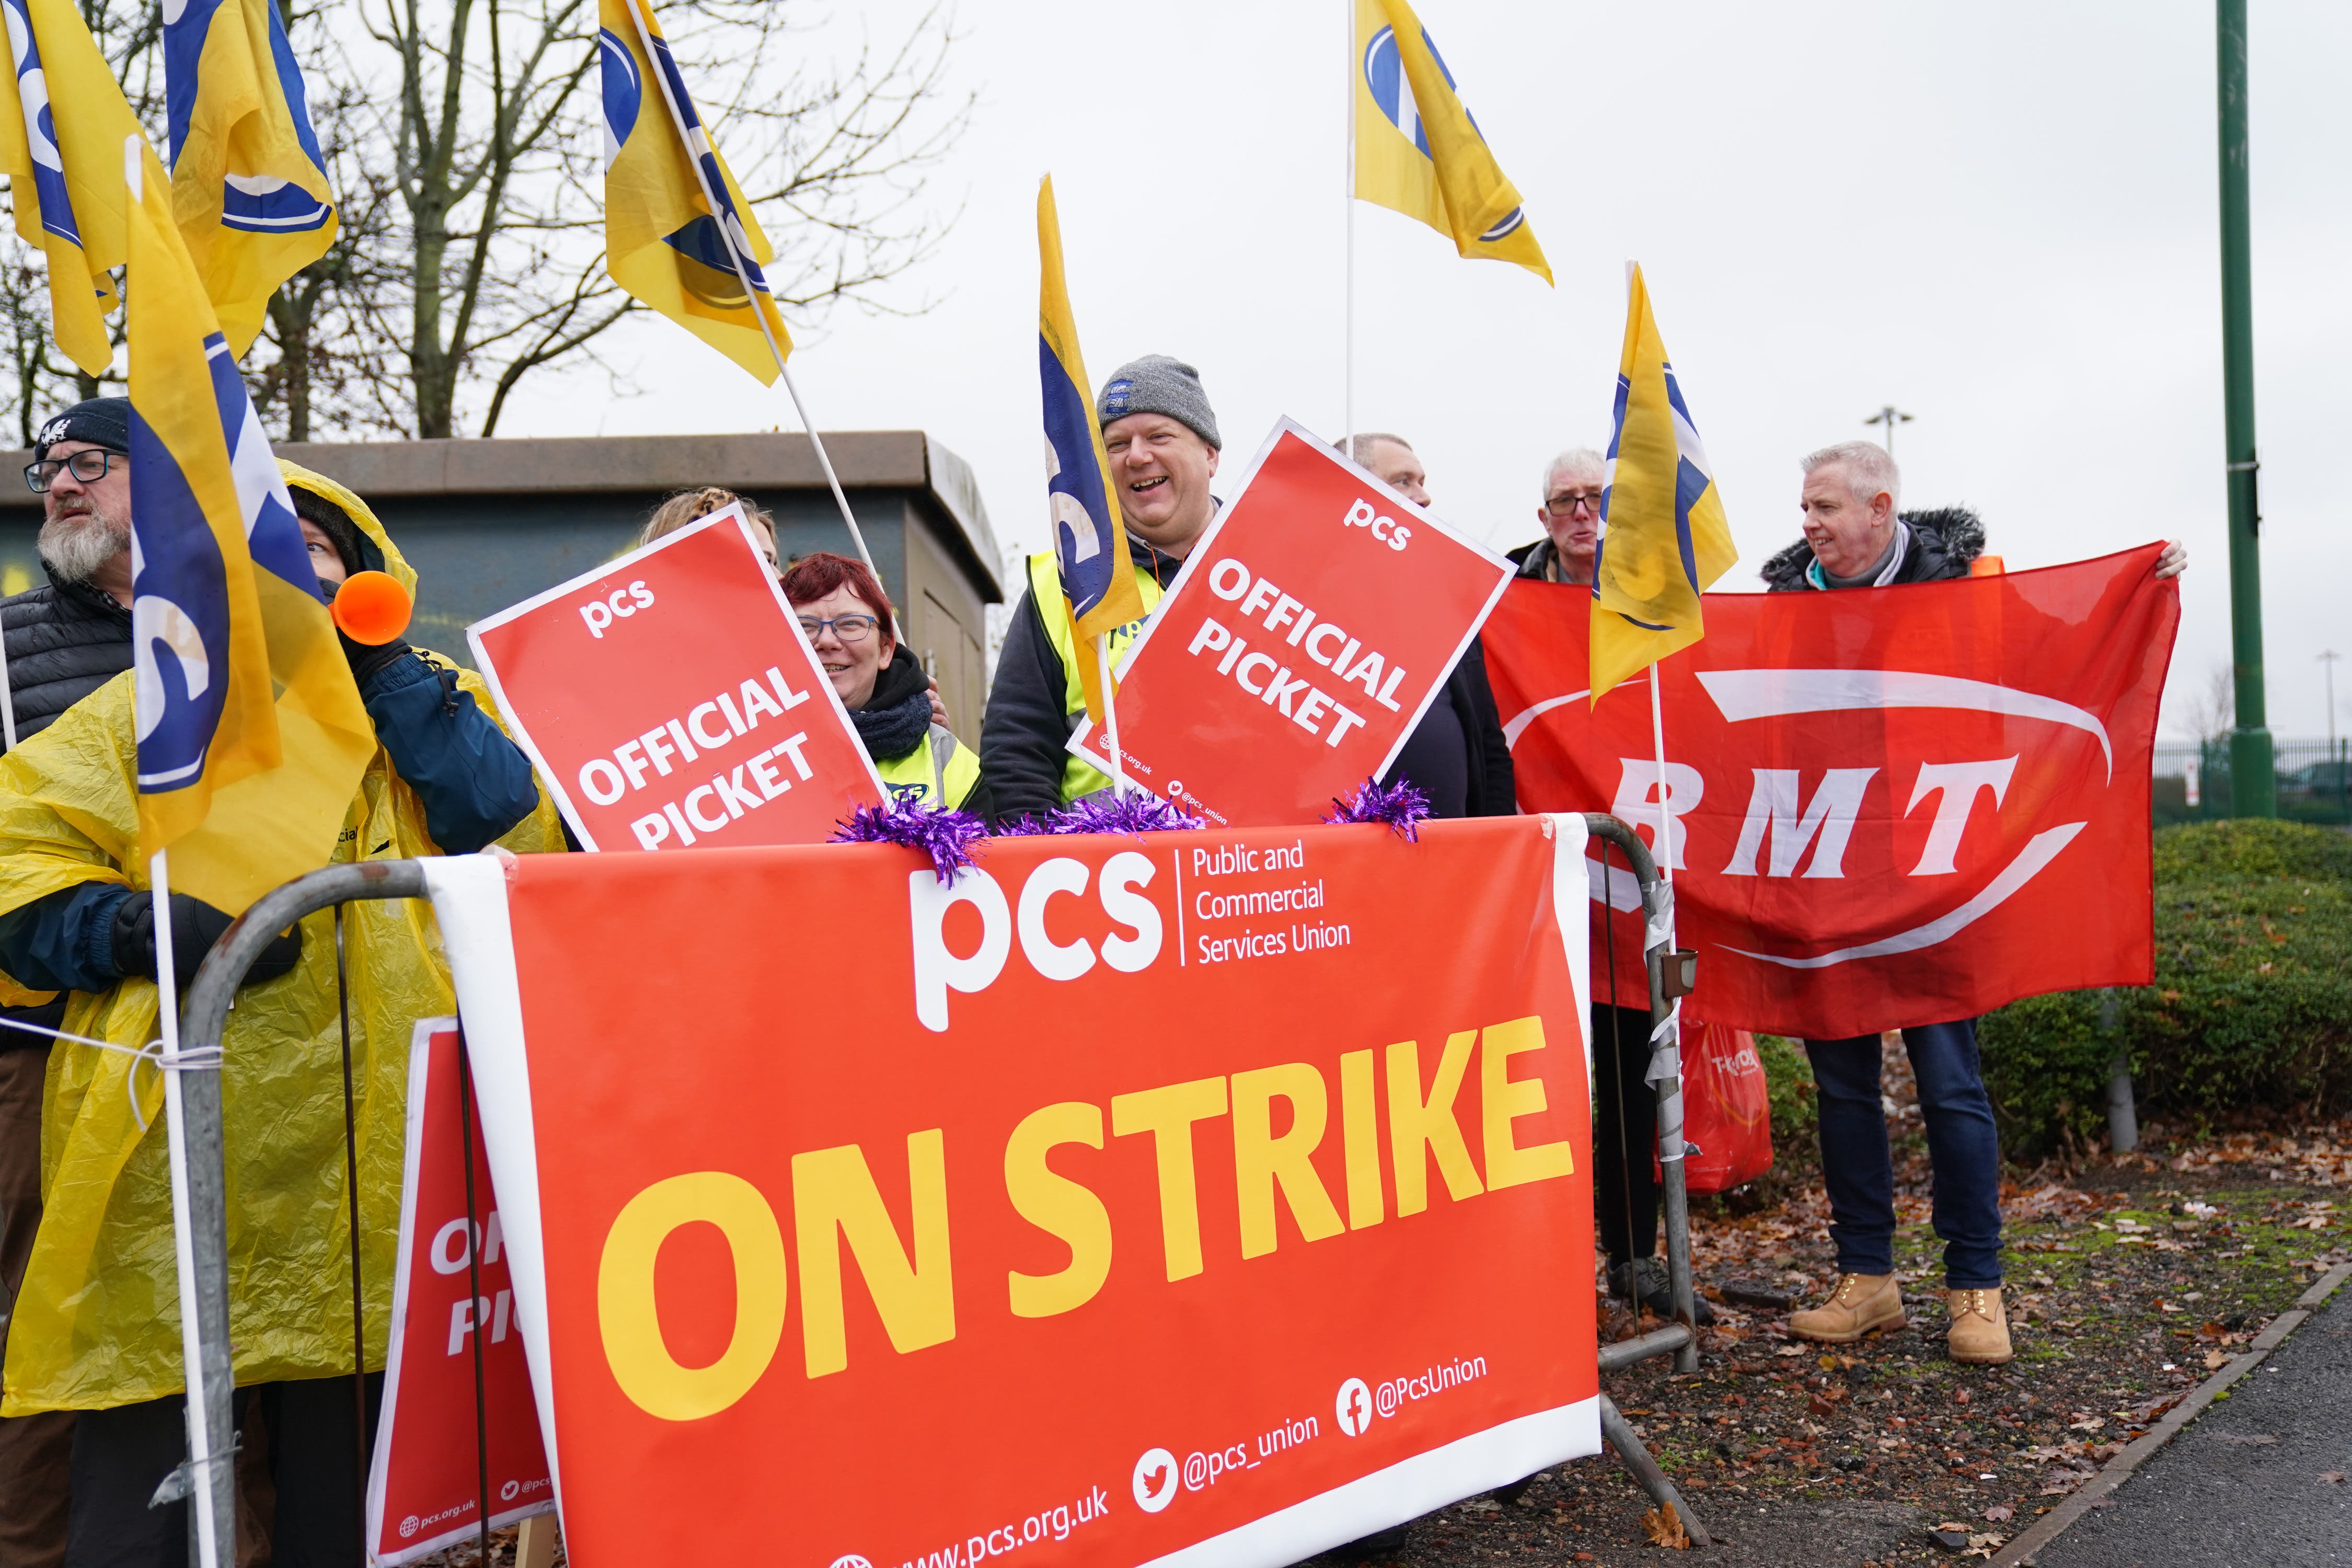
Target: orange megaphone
(372,607)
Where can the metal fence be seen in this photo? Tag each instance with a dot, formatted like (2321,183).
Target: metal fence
(2314,780)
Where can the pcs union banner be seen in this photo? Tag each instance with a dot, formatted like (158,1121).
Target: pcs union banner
(1209,1198)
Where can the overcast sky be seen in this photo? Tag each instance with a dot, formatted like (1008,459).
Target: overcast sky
(2000,217)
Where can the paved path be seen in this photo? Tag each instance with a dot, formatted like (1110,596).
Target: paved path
(2239,1486)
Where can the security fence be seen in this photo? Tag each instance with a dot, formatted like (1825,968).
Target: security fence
(2314,780)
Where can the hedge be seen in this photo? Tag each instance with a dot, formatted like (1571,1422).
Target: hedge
(2252,1008)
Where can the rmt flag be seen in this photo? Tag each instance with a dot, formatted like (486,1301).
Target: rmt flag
(1890,806)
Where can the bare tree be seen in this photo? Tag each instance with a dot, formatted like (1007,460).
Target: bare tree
(498,163)
(2208,712)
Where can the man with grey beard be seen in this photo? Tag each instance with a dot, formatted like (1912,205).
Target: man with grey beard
(64,640)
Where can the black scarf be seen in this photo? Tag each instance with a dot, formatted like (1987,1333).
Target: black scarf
(897,715)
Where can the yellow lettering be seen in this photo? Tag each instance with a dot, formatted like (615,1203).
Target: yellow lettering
(1505,1102)
(1059,1206)
(1360,1137)
(1168,1114)
(833,1190)
(630,1320)
(1418,1128)
(1261,1159)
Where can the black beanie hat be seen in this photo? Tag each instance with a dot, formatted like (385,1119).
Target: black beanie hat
(337,525)
(101,421)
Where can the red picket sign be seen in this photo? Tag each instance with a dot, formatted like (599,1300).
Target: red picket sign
(626,684)
(1309,630)
(424,1487)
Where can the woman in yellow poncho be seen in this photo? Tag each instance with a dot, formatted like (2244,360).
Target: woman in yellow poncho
(96,1328)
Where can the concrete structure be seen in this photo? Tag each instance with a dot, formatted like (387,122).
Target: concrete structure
(487,523)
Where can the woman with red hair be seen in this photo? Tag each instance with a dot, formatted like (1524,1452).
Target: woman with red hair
(847,618)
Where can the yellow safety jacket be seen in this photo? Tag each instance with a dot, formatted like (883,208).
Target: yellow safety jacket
(1080,778)
(96,1322)
(940,771)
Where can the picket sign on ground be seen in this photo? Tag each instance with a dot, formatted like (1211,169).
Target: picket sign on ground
(669,699)
(1209,1198)
(425,1485)
(1890,805)
(1309,630)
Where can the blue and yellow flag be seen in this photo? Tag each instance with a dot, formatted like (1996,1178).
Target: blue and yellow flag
(248,183)
(1419,152)
(1089,540)
(252,738)
(663,242)
(62,133)
(1666,539)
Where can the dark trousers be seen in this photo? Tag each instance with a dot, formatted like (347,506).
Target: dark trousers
(1625,1137)
(34,1450)
(1963,1147)
(120,1455)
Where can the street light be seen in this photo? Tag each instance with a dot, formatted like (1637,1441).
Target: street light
(1889,416)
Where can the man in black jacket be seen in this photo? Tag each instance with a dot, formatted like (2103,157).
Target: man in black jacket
(1162,441)
(63,641)
(1855,537)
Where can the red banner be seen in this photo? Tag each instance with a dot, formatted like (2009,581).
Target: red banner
(1890,806)
(425,1488)
(665,699)
(1209,1198)
(1310,628)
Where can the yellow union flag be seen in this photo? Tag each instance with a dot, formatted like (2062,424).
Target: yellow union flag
(62,133)
(252,738)
(663,242)
(1666,540)
(248,183)
(1417,149)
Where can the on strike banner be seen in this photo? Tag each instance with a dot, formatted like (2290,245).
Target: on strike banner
(1205,1197)
(665,699)
(1890,805)
(1310,628)
(425,1488)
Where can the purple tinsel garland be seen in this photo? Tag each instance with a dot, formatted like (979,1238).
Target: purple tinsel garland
(944,834)
(1402,806)
(1128,814)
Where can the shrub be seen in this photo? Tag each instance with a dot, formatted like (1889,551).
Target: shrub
(1789,1083)
(2252,1006)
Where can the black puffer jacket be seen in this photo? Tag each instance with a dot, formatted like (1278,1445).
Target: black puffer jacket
(1943,542)
(64,641)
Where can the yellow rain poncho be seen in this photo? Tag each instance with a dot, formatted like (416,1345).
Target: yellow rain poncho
(97,1322)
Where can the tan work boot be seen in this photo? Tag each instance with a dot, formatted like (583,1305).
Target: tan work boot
(1979,1333)
(1862,1304)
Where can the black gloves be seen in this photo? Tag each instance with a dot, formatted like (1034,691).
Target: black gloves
(366,661)
(196,926)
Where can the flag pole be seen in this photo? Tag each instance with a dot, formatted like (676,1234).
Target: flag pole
(1347,200)
(751,297)
(8,696)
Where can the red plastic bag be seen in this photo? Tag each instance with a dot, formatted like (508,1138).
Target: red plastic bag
(1727,1112)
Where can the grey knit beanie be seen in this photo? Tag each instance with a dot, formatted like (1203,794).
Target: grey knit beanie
(1158,384)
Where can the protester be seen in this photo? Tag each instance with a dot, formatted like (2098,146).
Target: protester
(93,1330)
(686,506)
(1856,536)
(1570,515)
(847,618)
(1625,1129)
(64,640)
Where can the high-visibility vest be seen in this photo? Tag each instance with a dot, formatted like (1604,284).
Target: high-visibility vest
(940,771)
(1079,778)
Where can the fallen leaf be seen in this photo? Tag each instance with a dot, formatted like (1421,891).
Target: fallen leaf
(2215,1360)
(1665,1529)
(2331,1478)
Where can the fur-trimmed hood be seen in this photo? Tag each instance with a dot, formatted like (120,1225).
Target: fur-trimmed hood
(1944,540)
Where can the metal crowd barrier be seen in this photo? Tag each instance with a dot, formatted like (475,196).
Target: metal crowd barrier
(205,1016)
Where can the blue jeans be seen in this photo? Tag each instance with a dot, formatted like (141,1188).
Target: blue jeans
(1963,1147)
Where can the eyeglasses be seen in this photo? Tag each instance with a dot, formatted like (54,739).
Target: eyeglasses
(848,628)
(1566,505)
(89,466)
